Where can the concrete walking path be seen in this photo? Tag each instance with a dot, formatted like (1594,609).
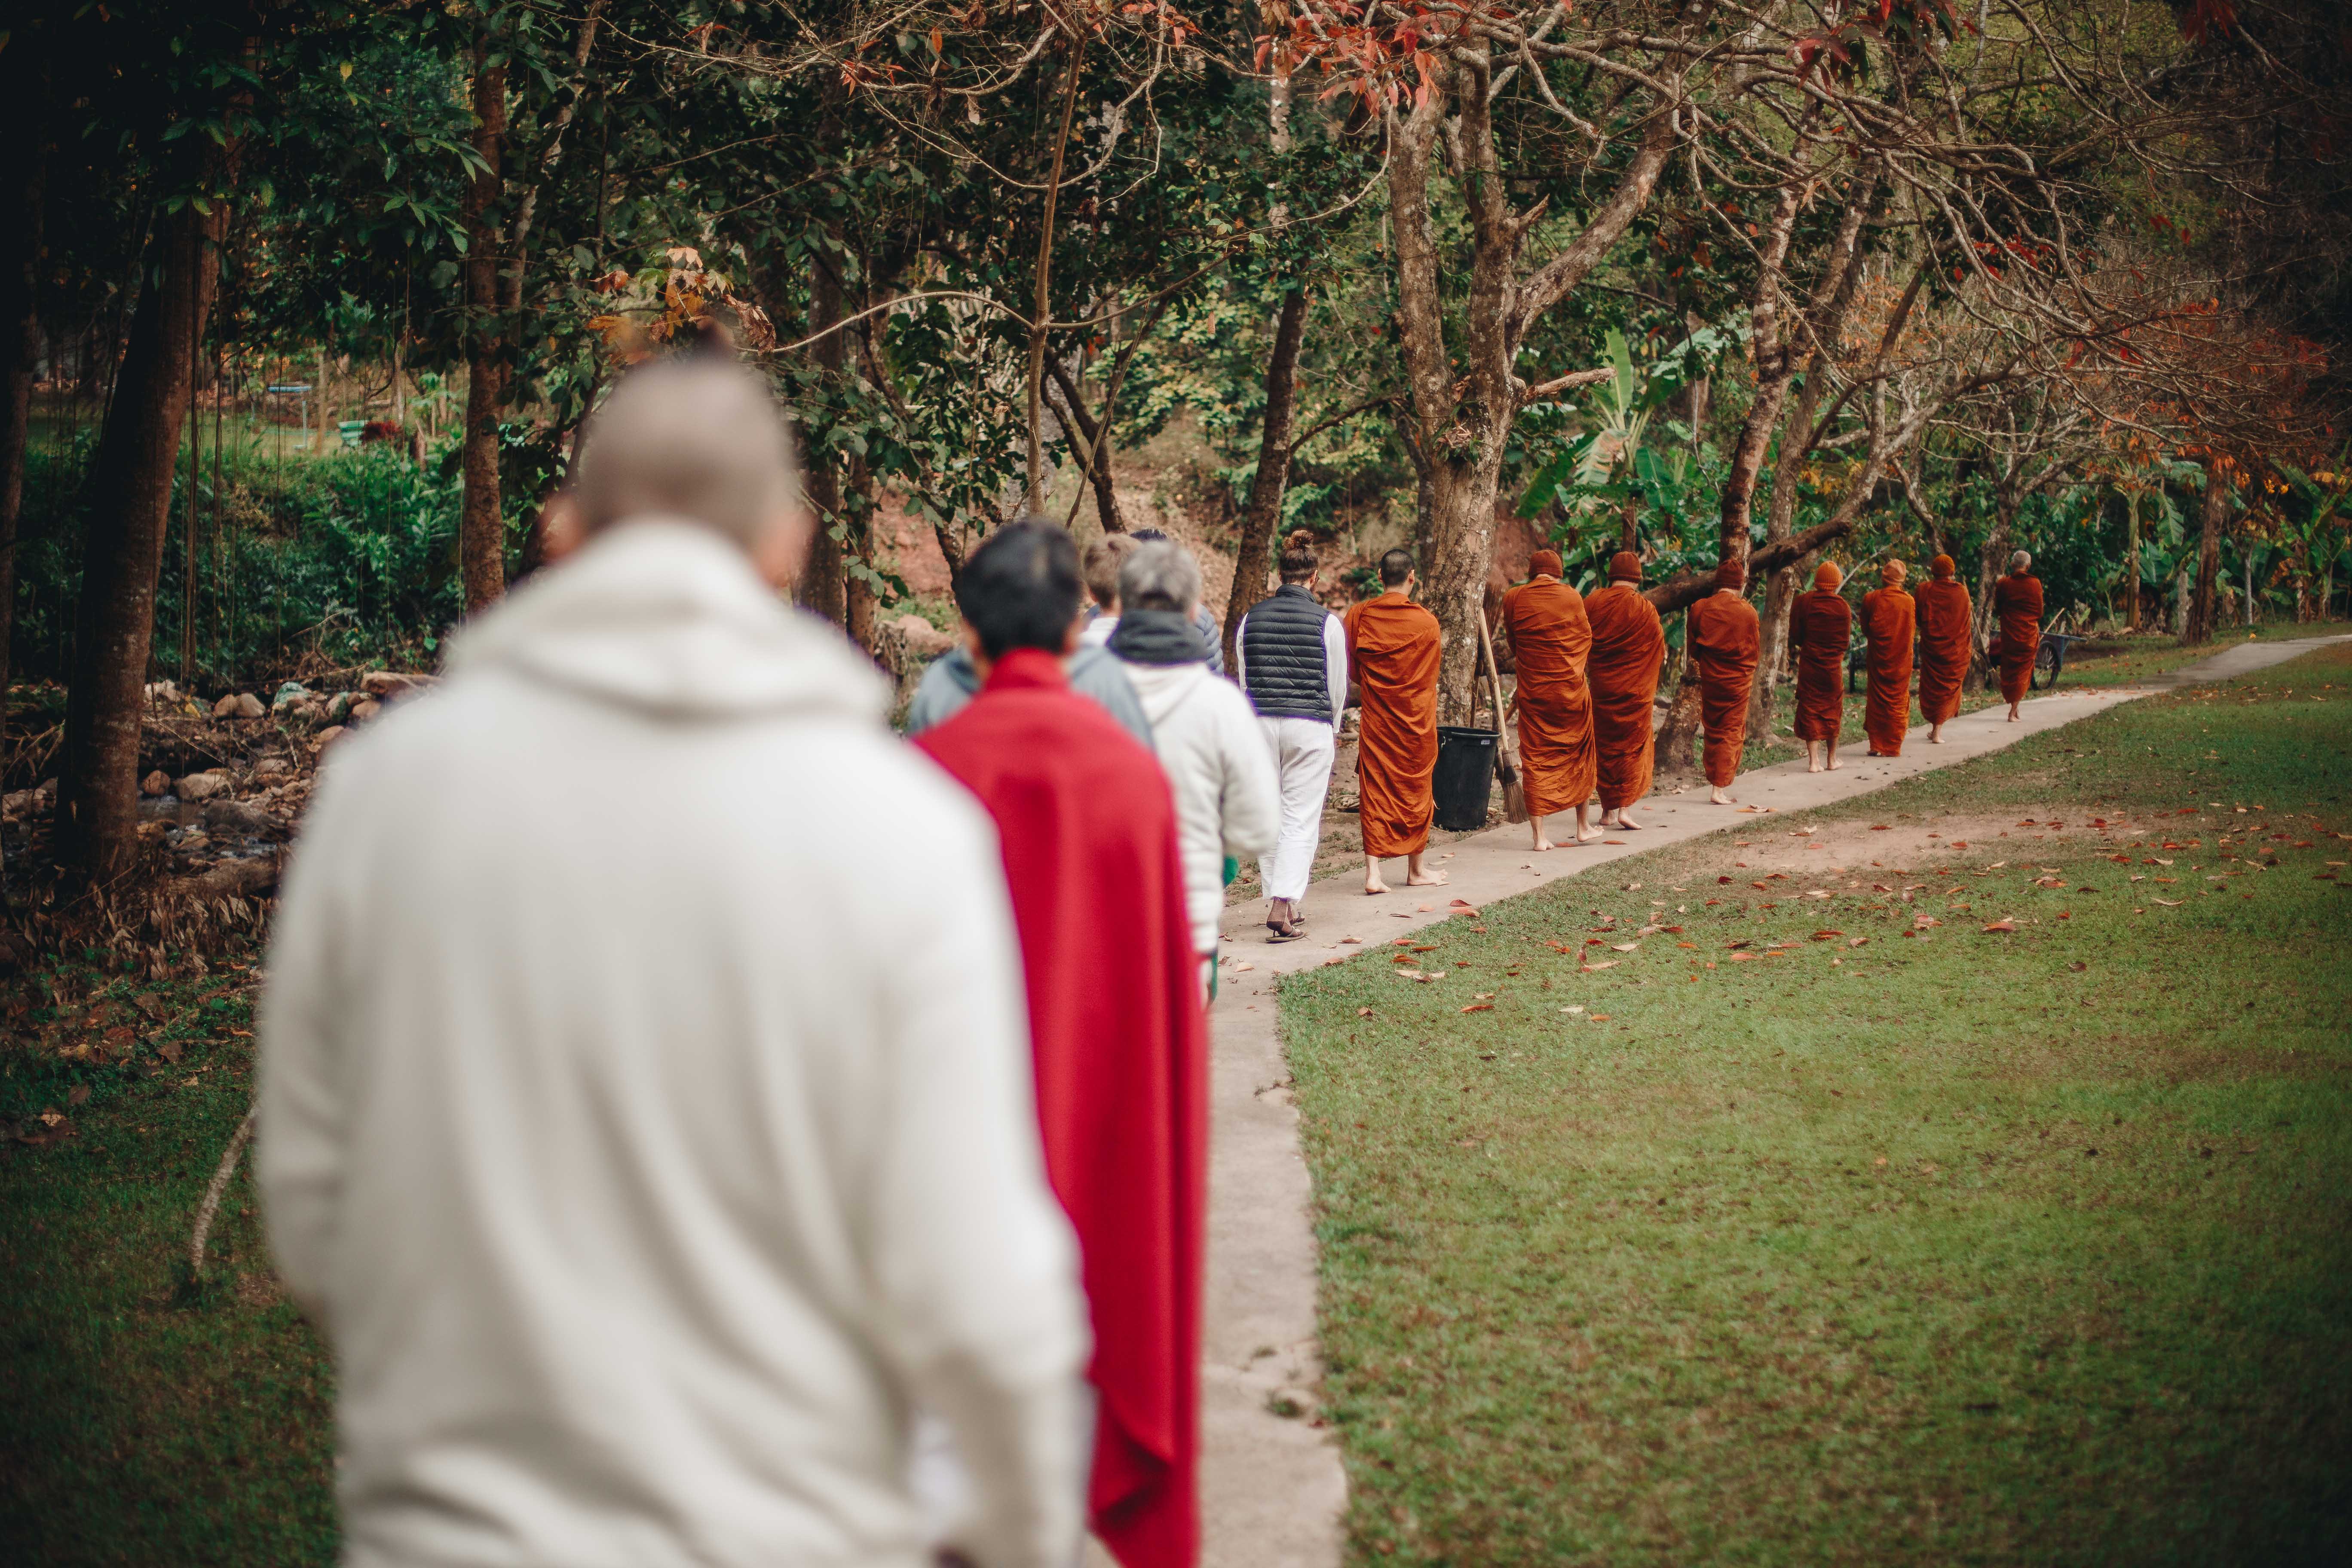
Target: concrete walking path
(1272,1490)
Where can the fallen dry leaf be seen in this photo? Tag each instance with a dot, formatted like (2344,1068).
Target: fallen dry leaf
(2003,925)
(1855,940)
(1623,946)
(1363,1012)
(1827,935)
(1480,1007)
(2169,903)
(1604,963)
(1921,922)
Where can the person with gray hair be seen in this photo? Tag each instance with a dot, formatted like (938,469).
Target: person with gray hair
(1211,639)
(1228,803)
(646,1116)
(2017,611)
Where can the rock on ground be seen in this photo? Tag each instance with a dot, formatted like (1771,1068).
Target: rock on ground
(384,684)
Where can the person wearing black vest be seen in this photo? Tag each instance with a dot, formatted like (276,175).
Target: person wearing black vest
(1293,658)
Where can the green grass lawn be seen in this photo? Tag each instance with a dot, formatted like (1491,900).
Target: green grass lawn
(2029,1246)
(147,1422)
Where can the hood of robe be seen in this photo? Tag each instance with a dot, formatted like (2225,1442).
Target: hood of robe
(1164,688)
(664,617)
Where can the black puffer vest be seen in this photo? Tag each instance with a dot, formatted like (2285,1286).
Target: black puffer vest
(1282,650)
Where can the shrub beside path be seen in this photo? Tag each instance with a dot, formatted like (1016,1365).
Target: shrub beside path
(1272,1488)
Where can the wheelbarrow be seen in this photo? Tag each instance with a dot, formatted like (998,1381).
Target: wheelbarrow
(2050,662)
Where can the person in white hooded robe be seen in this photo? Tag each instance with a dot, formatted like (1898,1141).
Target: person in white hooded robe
(1228,800)
(644,1113)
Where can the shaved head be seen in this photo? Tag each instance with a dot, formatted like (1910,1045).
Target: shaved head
(2021,560)
(698,440)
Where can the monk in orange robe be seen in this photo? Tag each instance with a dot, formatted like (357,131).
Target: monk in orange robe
(1821,624)
(1726,641)
(2016,604)
(1393,653)
(1629,652)
(1946,633)
(1543,619)
(1890,620)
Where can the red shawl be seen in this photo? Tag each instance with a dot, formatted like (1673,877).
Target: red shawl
(1117,1023)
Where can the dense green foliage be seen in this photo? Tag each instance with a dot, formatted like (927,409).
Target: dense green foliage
(303,562)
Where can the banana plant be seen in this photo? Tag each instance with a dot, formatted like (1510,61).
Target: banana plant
(1603,464)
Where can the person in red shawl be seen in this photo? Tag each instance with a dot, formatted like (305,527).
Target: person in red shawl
(1889,620)
(1629,651)
(2017,605)
(1116,1018)
(1945,634)
(1821,624)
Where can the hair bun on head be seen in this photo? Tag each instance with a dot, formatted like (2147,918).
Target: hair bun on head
(1299,540)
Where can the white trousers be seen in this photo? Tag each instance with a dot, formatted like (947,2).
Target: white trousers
(1303,750)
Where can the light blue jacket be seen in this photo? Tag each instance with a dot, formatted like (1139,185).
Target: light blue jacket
(950,681)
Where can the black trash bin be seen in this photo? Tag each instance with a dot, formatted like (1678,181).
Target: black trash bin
(1466,776)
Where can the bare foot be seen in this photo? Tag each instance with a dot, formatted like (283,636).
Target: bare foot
(1813,767)
(1423,878)
(1936,736)
(1586,833)
(1625,821)
(1541,843)
(1373,886)
(1721,797)
(2012,713)
(1834,765)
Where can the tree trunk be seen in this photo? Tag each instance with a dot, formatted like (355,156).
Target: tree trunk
(481,529)
(130,503)
(1465,395)
(1098,473)
(2131,559)
(2208,554)
(1033,495)
(20,319)
(1264,512)
(1678,736)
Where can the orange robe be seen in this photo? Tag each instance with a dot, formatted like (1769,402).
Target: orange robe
(1726,641)
(1889,620)
(1550,640)
(2017,601)
(1944,630)
(1392,652)
(1820,628)
(1629,651)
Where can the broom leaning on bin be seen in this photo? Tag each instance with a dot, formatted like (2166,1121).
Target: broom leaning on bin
(1507,752)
